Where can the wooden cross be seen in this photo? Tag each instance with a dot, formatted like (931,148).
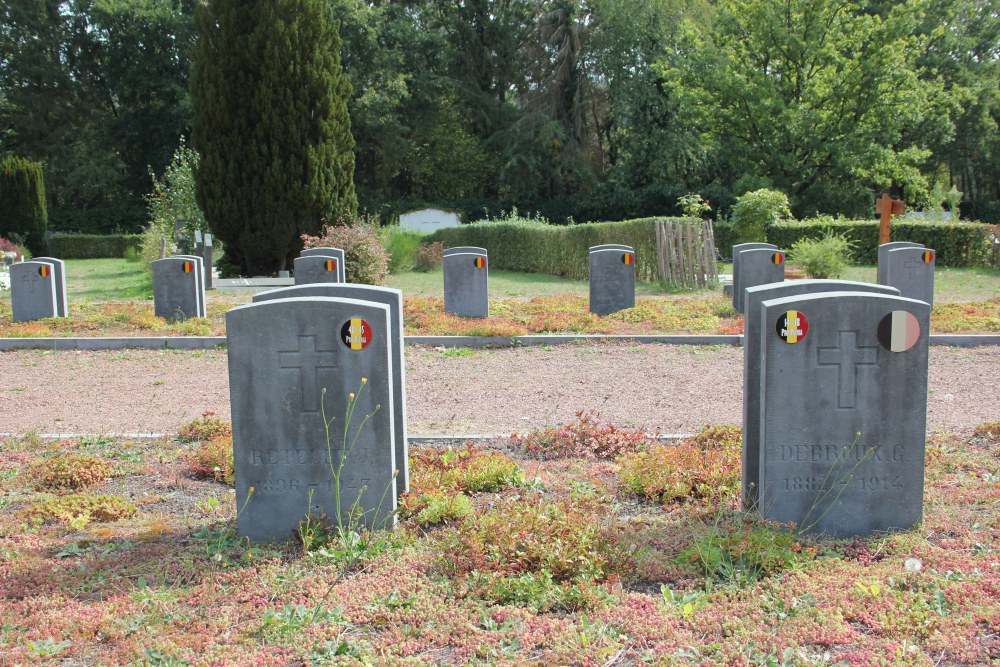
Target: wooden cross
(887,207)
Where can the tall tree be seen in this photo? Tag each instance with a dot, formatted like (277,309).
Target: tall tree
(272,127)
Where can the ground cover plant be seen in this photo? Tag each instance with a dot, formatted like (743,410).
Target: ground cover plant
(553,560)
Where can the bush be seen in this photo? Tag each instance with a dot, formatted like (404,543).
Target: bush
(587,437)
(10,252)
(64,472)
(367,262)
(92,246)
(754,211)
(23,213)
(430,256)
(822,258)
(206,427)
(402,246)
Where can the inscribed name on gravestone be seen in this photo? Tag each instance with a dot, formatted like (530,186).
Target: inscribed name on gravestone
(59,271)
(752,332)
(292,363)
(200,271)
(317,269)
(429,220)
(612,278)
(737,270)
(843,407)
(883,256)
(911,271)
(33,291)
(393,298)
(336,253)
(759,266)
(176,288)
(466,282)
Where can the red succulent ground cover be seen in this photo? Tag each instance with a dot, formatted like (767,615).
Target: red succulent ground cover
(559,561)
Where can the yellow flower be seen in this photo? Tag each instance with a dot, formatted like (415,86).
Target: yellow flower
(351,396)
(364,380)
(250,490)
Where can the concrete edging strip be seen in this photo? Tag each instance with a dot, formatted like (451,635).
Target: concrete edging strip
(210,342)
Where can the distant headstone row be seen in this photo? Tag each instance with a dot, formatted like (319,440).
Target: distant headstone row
(466,280)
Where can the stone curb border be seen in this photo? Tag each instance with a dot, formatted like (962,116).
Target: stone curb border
(212,342)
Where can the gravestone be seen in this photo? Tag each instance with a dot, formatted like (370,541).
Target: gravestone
(393,298)
(843,408)
(737,289)
(59,271)
(200,270)
(612,278)
(466,282)
(207,257)
(294,363)
(336,253)
(883,256)
(33,293)
(752,332)
(911,271)
(317,269)
(429,220)
(176,288)
(758,266)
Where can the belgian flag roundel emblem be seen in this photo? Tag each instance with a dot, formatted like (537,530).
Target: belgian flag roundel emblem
(330,265)
(792,326)
(628,259)
(778,258)
(898,331)
(927,256)
(187,267)
(356,334)
(43,271)
(480,262)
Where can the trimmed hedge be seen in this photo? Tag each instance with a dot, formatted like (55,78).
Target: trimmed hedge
(956,244)
(91,246)
(555,250)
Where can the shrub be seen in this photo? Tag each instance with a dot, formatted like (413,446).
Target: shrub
(92,246)
(85,506)
(587,437)
(744,556)
(705,467)
(10,250)
(206,427)
(402,246)
(367,262)
(754,211)
(214,459)
(23,211)
(68,472)
(822,258)
(430,256)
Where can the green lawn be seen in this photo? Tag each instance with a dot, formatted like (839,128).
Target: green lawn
(103,280)
(502,284)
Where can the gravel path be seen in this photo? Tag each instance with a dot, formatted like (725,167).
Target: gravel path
(673,389)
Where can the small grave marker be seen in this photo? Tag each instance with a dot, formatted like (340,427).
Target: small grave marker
(291,366)
(59,271)
(883,257)
(177,287)
(200,276)
(317,269)
(612,278)
(911,270)
(843,412)
(33,292)
(336,253)
(466,282)
(757,266)
(737,288)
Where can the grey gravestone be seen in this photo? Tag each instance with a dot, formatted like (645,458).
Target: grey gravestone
(753,296)
(176,288)
(843,408)
(200,269)
(292,364)
(33,291)
(758,266)
(59,266)
(911,271)
(737,289)
(336,253)
(317,269)
(207,257)
(883,255)
(394,299)
(612,278)
(466,282)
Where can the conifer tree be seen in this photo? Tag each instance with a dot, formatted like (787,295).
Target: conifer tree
(271,126)
(23,212)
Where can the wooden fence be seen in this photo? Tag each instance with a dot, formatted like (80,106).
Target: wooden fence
(686,253)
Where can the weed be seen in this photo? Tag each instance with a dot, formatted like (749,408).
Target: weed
(588,437)
(430,256)
(444,508)
(65,472)
(73,507)
(214,459)
(292,619)
(206,427)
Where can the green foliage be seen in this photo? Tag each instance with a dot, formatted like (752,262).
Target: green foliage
(81,508)
(206,427)
(750,553)
(821,258)
(754,211)
(23,213)
(271,126)
(213,459)
(92,246)
(172,200)
(430,256)
(444,508)
(366,259)
(693,206)
(402,245)
(68,472)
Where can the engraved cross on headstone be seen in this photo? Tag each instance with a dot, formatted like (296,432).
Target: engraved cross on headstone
(847,356)
(913,264)
(29,281)
(309,361)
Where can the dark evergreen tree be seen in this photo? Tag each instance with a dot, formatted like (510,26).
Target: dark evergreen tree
(272,127)
(23,215)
